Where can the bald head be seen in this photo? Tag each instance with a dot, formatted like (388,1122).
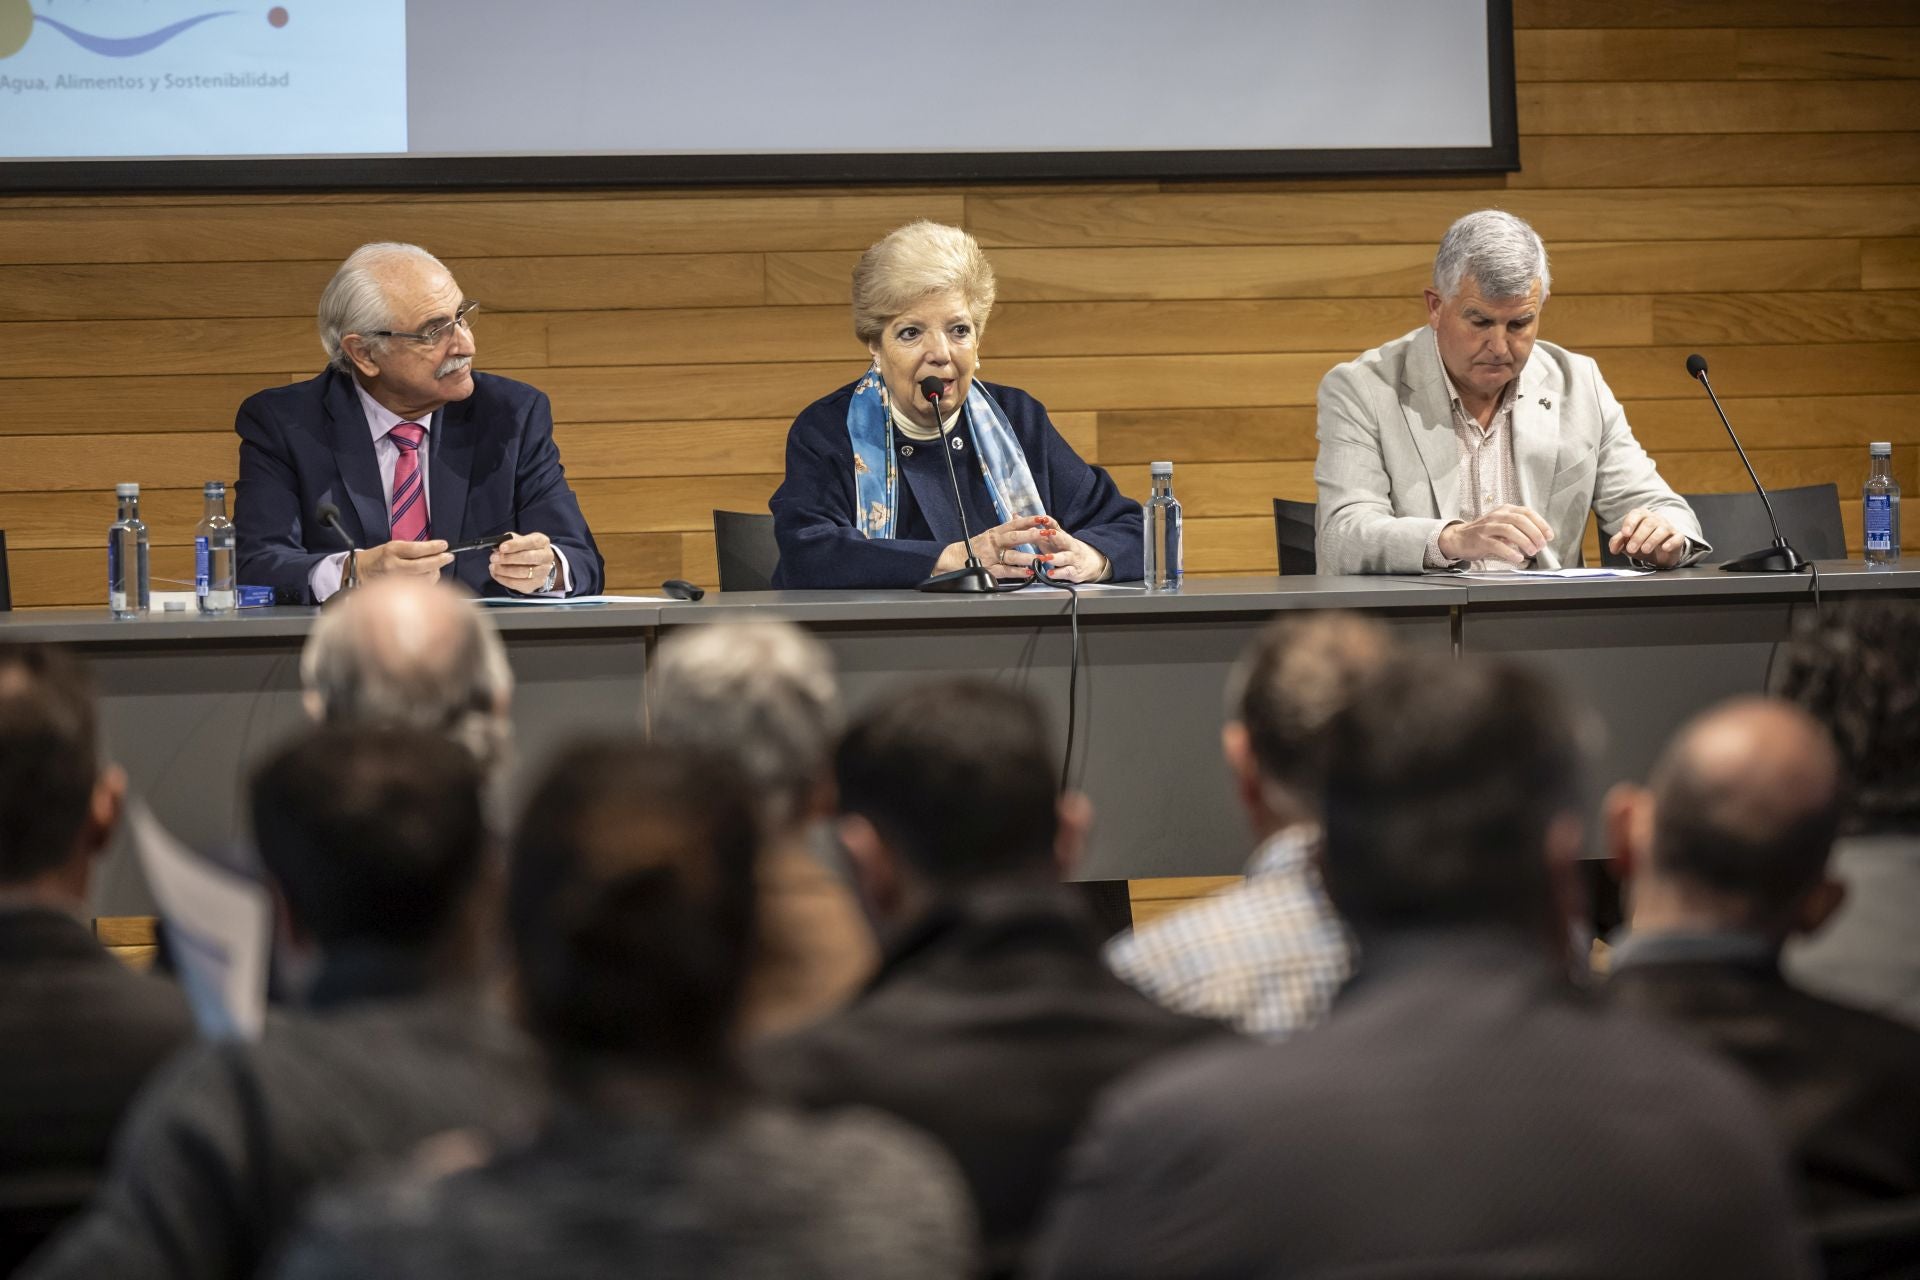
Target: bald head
(1747,803)
(414,653)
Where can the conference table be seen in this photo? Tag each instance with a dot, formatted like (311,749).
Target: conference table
(190,704)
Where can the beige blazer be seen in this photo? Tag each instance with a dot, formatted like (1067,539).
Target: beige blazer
(1388,468)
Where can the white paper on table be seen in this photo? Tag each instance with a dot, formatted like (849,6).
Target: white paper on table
(1037,588)
(218,927)
(1501,575)
(510,601)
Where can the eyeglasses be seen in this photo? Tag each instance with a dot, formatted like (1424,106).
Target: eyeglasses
(435,334)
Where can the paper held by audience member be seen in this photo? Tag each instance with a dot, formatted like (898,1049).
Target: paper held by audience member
(218,929)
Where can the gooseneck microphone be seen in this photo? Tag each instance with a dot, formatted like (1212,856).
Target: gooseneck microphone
(1780,557)
(974,577)
(328,516)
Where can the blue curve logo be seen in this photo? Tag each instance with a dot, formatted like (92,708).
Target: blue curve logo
(128,46)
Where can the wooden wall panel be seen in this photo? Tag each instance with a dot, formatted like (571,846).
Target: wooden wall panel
(1528,14)
(1739,177)
(1719,107)
(1890,264)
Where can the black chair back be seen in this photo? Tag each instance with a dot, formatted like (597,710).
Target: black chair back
(1736,523)
(744,543)
(6,585)
(33,1206)
(1293,531)
(1874,1240)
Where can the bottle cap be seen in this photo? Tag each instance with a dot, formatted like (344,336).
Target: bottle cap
(1880,449)
(216,489)
(126,491)
(1160,468)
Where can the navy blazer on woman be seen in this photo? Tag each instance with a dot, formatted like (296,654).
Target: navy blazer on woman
(813,510)
(492,467)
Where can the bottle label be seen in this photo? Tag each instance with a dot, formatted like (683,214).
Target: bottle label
(116,598)
(202,567)
(1879,522)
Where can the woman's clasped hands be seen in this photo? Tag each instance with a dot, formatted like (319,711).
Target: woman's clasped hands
(1002,549)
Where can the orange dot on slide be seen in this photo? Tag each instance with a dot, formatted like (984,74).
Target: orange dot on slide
(277,16)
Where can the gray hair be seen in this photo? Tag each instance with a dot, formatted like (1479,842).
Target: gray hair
(417,655)
(910,263)
(355,300)
(761,694)
(1501,252)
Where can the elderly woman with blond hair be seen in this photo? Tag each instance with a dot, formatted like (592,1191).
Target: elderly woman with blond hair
(867,501)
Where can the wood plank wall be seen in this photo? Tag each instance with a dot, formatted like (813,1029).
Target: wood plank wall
(1740,177)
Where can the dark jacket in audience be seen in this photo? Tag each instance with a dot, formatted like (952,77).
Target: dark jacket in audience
(1463,1113)
(1844,1085)
(221,1152)
(765,1194)
(82,1032)
(992,1025)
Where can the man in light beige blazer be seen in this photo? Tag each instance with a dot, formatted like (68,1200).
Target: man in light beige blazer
(1470,444)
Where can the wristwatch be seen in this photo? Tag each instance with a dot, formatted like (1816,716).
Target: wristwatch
(553,575)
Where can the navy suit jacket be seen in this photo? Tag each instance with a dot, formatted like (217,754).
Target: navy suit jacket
(813,509)
(492,467)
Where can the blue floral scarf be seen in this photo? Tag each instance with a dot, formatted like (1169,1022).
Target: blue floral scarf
(876,481)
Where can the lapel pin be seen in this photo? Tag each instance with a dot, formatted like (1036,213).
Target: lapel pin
(1545,403)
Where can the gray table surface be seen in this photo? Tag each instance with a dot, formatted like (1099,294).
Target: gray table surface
(189,703)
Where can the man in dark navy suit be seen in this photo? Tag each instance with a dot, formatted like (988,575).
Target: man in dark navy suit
(417,451)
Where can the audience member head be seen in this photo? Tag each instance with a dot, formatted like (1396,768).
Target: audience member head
(1453,799)
(630,912)
(1735,831)
(1853,667)
(760,693)
(948,785)
(58,805)
(1287,688)
(416,654)
(372,835)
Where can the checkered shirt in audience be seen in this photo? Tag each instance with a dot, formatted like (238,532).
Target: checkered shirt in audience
(1266,955)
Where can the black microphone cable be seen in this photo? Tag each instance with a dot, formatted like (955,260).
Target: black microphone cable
(1073,662)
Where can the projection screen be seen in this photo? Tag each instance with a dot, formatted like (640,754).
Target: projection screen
(185,94)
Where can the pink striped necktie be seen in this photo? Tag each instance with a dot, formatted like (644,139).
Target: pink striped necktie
(409,522)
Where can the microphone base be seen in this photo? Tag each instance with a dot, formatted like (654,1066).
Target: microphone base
(972,580)
(1775,559)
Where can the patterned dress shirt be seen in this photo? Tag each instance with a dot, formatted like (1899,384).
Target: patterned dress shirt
(1266,955)
(1487,478)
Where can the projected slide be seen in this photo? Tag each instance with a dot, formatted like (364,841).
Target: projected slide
(199,94)
(198,78)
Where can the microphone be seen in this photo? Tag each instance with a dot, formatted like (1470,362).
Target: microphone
(1780,557)
(974,578)
(328,516)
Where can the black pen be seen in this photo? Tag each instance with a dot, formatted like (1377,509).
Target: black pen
(479,544)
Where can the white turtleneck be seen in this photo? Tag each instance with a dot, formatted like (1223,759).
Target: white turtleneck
(914,431)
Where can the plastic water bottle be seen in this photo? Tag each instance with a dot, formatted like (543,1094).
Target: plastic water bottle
(127,556)
(1880,501)
(1162,563)
(213,553)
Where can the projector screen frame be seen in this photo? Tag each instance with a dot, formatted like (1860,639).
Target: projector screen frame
(483,173)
